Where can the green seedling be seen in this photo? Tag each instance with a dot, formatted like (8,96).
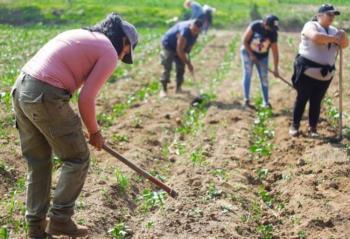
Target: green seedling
(120,138)
(197,157)
(118,231)
(151,199)
(4,232)
(262,173)
(266,231)
(213,192)
(122,180)
(266,197)
(220,173)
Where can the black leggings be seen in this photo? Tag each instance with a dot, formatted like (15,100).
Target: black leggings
(311,90)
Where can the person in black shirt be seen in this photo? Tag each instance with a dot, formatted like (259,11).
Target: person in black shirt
(259,37)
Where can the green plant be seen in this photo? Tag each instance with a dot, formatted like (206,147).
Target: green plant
(197,157)
(302,235)
(4,233)
(165,151)
(332,112)
(266,231)
(266,197)
(221,173)
(149,225)
(105,119)
(122,180)
(262,173)
(120,138)
(213,192)
(151,199)
(261,134)
(118,231)
(57,162)
(158,176)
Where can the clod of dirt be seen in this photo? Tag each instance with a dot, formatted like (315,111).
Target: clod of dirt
(301,162)
(321,223)
(178,120)
(154,142)
(214,121)
(251,179)
(236,119)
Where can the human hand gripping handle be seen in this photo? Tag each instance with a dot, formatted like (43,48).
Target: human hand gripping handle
(96,139)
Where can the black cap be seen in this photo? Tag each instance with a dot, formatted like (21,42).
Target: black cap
(272,22)
(325,8)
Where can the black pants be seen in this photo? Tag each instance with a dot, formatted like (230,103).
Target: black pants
(311,90)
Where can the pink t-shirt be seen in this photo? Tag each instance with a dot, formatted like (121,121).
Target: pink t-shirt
(72,59)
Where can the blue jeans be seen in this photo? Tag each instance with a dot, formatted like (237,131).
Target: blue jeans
(262,67)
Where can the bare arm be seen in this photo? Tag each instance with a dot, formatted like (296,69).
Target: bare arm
(275,54)
(180,50)
(318,37)
(343,39)
(248,34)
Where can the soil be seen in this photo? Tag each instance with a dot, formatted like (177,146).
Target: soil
(308,178)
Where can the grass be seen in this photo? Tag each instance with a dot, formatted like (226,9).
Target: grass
(151,13)
(10,221)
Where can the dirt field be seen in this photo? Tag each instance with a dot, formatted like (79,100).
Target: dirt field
(300,191)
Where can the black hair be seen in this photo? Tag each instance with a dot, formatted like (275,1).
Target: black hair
(112,29)
(198,23)
(314,18)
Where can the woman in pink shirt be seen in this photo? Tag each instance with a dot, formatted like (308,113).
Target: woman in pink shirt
(80,58)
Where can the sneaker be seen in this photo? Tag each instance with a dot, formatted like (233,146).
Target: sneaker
(268,105)
(246,103)
(68,228)
(313,132)
(293,131)
(162,94)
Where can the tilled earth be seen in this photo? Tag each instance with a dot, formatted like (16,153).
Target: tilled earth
(305,179)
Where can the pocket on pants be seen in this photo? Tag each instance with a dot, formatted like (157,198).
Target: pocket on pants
(32,105)
(68,140)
